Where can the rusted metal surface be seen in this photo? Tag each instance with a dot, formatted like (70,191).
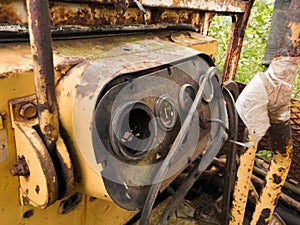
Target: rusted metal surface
(38,180)
(295,123)
(121,6)
(242,185)
(65,168)
(100,14)
(278,81)
(290,43)
(40,39)
(207,5)
(280,136)
(264,144)
(235,43)
(91,13)
(284,197)
(20,168)
(28,110)
(13,11)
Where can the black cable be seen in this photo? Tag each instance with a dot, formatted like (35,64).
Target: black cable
(154,189)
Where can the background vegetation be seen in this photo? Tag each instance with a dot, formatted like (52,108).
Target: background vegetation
(254,42)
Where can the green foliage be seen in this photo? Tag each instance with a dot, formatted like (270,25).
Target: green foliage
(265,155)
(254,44)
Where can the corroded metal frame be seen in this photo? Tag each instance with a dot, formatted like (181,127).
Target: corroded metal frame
(88,15)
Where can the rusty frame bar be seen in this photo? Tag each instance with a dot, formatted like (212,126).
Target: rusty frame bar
(242,184)
(280,130)
(281,144)
(41,48)
(208,5)
(235,43)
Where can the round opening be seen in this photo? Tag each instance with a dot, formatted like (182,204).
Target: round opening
(132,131)
(187,95)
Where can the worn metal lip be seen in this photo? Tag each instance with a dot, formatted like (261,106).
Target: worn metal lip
(119,115)
(19,33)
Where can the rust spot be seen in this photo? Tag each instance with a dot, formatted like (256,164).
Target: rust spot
(265,214)
(44,107)
(49,128)
(87,90)
(280,136)
(290,43)
(276,179)
(9,14)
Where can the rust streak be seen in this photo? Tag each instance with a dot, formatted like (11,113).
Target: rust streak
(9,14)
(235,43)
(290,43)
(40,39)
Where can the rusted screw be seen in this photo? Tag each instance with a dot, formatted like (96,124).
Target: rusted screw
(20,168)
(203,120)
(28,110)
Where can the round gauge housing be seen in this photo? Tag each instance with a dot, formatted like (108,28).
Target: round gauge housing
(187,95)
(166,112)
(132,131)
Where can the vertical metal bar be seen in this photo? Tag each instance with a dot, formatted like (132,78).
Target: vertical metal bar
(242,185)
(235,43)
(290,43)
(280,131)
(280,136)
(40,40)
(231,154)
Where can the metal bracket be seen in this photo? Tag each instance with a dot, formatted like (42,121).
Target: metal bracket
(39,182)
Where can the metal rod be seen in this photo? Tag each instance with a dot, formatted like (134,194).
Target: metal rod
(284,67)
(287,199)
(280,135)
(287,185)
(235,43)
(242,185)
(40,40)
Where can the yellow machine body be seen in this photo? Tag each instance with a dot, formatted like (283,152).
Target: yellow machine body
(88,202)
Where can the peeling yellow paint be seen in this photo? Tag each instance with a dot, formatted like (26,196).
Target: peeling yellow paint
(242,185)
(275,179)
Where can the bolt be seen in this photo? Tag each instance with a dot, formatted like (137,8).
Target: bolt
(28,110)
(203,120)
(20,168)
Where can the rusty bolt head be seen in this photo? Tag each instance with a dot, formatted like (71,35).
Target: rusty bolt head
(28,110)
(203,120)
(20,168)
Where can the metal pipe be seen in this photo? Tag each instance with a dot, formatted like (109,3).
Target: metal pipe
(287,185)
(284,197)
(281,144)
(281,76)
(242,185)
(40,41)
(235,43)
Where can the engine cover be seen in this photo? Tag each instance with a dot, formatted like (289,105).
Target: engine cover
(127,109)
